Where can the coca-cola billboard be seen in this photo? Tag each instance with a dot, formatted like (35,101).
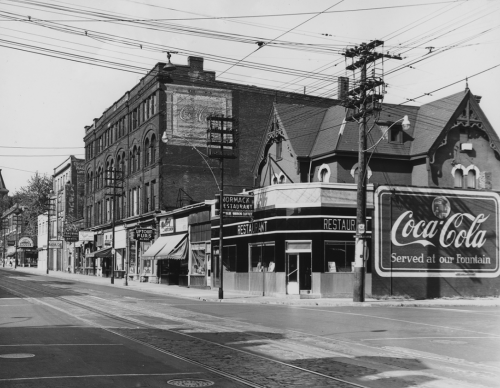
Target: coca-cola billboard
(425,232)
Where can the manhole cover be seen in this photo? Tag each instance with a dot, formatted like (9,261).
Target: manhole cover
(191,383)
(17,355)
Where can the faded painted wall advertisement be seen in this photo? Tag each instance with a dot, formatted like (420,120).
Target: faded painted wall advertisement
(424,232)
(188,109)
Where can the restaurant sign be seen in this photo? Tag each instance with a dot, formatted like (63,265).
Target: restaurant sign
(235,205)
(425,232)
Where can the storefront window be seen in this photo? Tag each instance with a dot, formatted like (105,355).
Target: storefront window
(132,258)
(146,267)
(339,256)
(229,258)
(198,259)
(262,257)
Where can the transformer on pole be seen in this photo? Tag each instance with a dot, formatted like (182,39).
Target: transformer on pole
(363,100)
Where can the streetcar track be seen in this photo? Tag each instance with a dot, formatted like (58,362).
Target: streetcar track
(394,352)
(149,326)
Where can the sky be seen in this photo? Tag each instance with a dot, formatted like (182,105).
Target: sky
(63,63)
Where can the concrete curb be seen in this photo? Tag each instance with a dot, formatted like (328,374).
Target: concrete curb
(241,298)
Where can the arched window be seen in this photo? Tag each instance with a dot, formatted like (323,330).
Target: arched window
(459,177)
(138,158)
(471,179)
(146,153)
(324,173)
(354,173)
(132,161)
(122,164)
(153,148)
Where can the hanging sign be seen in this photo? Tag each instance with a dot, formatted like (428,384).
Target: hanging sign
(25,242)
(84,235)
(235,205)
(55,244)
(424,232)
(144,234)
(71,235)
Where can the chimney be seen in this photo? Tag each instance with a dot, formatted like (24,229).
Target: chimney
(343,88)
(478,98)
(195,63)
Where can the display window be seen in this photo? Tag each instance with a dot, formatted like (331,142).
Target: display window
(261,257)
(146,267)
(198,259)
(339,256)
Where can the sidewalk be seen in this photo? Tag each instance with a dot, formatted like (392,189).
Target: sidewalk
(237,297)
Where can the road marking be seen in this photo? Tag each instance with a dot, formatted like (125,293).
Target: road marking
(62,345)
(9,298)
(417,338)
(88,376)
(395,320)
(448,309)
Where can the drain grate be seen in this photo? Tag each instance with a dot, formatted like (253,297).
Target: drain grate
(190,383)
(17,355)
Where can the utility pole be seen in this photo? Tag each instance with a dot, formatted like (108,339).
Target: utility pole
(49,207)
(114,180)
(4,228)
(363,100)
(221,144)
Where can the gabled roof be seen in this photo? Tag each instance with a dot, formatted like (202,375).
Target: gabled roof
(301,124)
(317,131)
(432,120)
(3,188)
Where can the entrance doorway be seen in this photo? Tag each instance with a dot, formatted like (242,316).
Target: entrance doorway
(168,271)
(298,275)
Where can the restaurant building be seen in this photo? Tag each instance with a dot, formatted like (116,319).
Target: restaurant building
(300,240)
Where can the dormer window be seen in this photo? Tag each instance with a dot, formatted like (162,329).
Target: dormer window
(396,134)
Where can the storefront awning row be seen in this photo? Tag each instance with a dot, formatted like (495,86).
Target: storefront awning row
(168,247)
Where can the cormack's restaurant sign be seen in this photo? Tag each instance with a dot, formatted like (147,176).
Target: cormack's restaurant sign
(421,232)
(235,205)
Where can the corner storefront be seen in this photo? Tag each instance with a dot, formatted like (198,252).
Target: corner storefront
(293,246)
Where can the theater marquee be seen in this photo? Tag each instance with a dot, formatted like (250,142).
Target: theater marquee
(424,232)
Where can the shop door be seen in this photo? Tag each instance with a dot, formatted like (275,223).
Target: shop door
(305,261)
(292,274)
(169,271)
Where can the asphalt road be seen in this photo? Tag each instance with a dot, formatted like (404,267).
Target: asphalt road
(98,335)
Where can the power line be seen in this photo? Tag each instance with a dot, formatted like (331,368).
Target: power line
(247,16)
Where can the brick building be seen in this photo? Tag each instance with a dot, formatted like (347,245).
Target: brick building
(66,216)
(127,163)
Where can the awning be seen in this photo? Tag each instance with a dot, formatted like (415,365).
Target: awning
(166,247)
(11,251)
(176,249)
(106,252)
(155,248)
